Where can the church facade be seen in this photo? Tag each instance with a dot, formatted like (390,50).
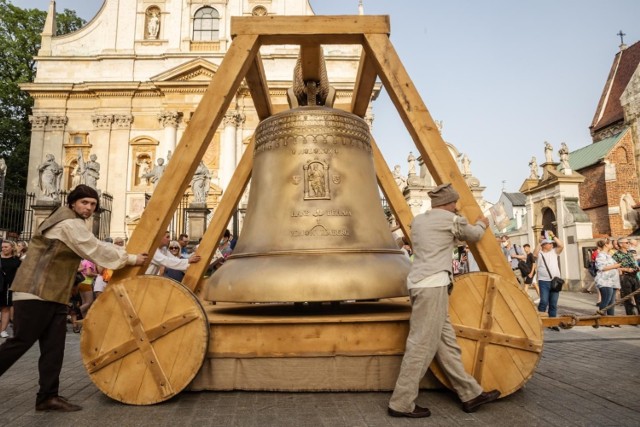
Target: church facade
(122,89)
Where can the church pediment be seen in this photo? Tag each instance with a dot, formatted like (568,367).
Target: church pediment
(198,70)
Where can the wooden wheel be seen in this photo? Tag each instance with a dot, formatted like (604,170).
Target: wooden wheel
(498,329)
(144,339)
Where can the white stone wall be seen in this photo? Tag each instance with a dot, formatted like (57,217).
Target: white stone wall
(109,68)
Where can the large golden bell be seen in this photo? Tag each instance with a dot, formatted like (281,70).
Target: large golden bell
(315,229)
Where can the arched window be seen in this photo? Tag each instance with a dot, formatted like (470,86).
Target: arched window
(206,24)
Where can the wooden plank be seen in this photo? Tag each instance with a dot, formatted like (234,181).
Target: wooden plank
(365,82)
(311,62)
(590,320)
(217,226)
(116,353)
(259,89)
(430,144)
(142,341)
(300,28)
(190,150)
(495,338)
(392,193)
(486,323)
(308,340)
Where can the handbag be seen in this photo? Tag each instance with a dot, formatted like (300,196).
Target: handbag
(522,265)
(556,282)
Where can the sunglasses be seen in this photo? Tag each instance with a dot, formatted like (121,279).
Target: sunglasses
(174,247)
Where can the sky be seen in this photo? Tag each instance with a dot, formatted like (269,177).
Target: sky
(503,76)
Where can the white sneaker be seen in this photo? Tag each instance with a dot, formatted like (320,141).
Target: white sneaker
(536,301)
(4,334)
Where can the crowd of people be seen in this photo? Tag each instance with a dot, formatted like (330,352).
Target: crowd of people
(67,268)
(616,267)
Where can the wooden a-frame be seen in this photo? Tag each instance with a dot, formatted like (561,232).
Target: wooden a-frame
(242,61)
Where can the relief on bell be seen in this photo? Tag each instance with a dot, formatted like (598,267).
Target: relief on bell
(316,180)
(314,229)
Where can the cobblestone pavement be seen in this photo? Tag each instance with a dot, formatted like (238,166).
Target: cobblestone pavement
(586,377)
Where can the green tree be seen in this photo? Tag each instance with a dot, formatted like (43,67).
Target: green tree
(20,31)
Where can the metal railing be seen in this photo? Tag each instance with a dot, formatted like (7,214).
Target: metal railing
(16,215)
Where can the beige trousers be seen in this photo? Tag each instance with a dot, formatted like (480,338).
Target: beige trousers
(430,334)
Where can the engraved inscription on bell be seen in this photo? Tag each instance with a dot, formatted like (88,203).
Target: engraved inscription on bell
(314,228)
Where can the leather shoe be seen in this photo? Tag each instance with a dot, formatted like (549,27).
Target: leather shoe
(484,397)
(418,412)
(57,403)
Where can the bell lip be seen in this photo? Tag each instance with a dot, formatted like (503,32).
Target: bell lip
(333,277)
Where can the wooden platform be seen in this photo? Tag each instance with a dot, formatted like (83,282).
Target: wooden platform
(355,346)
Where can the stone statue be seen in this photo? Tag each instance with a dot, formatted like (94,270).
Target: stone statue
(564,156)
(466,165)
(200,183)
(533,165)
(153,26)
(76,176)
(49,174)
(548,152)
(91,172)
(401,181)
(412,163)
(155,174)
(144,165)
(629,215)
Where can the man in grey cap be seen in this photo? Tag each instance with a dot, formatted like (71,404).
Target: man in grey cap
(434,235)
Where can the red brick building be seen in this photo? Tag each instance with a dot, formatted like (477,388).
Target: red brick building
(609,168)
(611,164)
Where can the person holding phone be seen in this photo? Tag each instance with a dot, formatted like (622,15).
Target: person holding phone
(548,268)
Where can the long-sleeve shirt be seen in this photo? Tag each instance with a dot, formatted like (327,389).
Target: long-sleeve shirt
(162,258)
(76,235)
(434,235)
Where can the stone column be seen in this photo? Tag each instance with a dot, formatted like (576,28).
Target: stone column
(170,121)
(119,171)
(36,153)
(228,148)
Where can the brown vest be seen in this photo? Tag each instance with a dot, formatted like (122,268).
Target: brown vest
(50,267)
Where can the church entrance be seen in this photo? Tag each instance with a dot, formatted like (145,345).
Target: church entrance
(549,221)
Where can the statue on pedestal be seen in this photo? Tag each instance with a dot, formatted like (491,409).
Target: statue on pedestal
(144,165)
(49,174)
(91,172)
(400,180)
(76,176)
(412,163)
(533,165)
(466,165)
(564,156)
(200,183)
(153,26)
(548,152)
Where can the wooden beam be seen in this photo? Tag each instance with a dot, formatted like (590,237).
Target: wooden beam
(396,200)
(193,144)
(332,28)
(311,60)
(259,89)
(365,82)
(215,230)
(430,144)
